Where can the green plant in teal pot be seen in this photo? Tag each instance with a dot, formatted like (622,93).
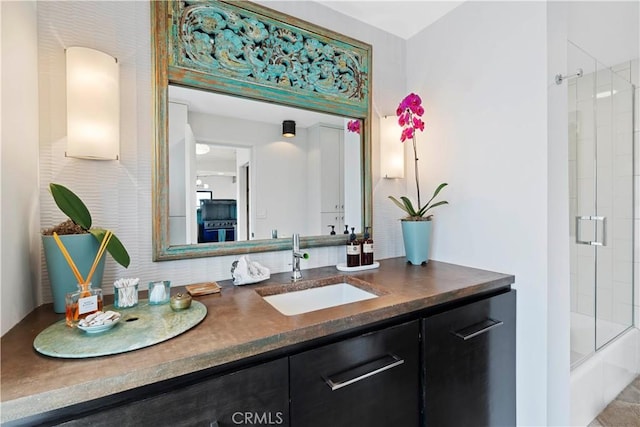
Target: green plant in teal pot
(82,242)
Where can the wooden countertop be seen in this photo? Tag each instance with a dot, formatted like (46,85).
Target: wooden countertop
(239,324)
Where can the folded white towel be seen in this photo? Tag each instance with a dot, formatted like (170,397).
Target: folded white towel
(245,271)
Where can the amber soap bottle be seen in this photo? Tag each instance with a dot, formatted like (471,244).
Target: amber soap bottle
(353,250)
(366,257)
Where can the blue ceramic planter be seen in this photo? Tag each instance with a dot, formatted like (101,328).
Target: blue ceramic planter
(83,249)
(417,241)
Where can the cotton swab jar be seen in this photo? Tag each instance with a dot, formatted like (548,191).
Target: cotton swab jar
(125,293)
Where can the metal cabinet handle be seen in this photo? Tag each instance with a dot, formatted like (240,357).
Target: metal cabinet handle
(595,242)
(477,329)
(363,371)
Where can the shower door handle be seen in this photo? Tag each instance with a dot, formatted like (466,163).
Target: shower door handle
(602,242)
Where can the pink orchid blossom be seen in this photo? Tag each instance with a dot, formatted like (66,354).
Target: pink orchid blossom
(409,112)
(353,126)
(418,124)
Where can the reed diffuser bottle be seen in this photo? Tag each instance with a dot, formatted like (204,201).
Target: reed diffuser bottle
(81,303)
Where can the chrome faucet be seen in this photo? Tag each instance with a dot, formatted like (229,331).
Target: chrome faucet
(297,255)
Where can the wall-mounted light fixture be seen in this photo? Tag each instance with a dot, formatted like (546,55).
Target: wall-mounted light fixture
(202,149)
(391,149)
(93,105)
(288,128)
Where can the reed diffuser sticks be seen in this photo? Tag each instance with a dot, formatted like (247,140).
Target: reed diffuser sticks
(103,247)
(81,281)
(66,255)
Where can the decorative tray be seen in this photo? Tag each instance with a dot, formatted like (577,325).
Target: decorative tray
(139,327)
(343,267)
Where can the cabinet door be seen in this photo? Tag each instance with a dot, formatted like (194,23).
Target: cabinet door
(469,364)
(252,396)
(370,380)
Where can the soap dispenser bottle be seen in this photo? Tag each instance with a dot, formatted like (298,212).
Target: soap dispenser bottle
(353,250)
(367,248)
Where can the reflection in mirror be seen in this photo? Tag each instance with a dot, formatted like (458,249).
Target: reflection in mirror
(234,177)
(203,45)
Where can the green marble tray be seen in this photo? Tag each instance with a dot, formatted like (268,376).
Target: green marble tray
(139,327)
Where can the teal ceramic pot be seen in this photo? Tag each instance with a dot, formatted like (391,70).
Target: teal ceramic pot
(417,241)
(83,249)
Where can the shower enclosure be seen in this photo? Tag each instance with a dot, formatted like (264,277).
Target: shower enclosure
(601,195)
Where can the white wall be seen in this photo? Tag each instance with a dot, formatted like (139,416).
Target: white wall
(122,201)
(558,299)
(635,79)
(481,72)
(19,222)
(608,30)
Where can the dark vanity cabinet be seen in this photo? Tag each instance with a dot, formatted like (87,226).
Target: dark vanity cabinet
(253,396)
(449,365)
(369,380)
(470,363)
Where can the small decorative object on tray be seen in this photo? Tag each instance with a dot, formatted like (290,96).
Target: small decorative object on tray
(99,321)
(125,293)
(159,292)
(205,288)
(180,301)
(245,271)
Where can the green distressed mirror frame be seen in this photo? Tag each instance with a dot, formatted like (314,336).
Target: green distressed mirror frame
(182,36)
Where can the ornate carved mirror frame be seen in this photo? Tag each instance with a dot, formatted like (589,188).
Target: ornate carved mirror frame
(247,50)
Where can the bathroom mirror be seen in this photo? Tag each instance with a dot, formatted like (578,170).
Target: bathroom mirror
(225,179)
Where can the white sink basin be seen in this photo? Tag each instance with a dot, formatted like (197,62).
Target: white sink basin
(304,301)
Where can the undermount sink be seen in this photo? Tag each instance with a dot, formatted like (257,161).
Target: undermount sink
(306,296)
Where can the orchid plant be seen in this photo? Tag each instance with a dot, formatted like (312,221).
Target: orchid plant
(409,114)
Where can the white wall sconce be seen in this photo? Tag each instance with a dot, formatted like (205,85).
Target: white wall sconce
(391,149)
(202,149)
(93,105)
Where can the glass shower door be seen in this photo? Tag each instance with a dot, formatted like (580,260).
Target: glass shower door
(601,203)
(614,201)
(582,194)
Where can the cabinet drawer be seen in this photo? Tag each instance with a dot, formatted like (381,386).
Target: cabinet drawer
(370,380)
(252,396)
(469,364)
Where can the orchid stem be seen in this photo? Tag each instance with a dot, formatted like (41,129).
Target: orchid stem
(415,156)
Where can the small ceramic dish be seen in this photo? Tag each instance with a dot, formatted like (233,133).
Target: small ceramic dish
(99,328)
